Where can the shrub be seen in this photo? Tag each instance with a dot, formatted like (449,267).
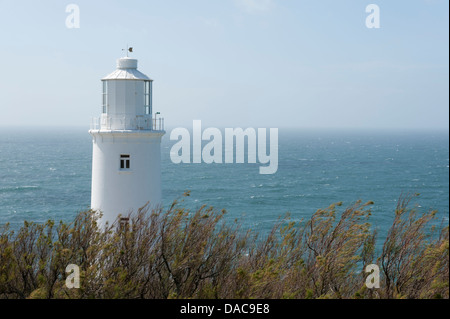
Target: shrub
(177,253)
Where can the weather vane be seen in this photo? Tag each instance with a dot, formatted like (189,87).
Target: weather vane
(128,49)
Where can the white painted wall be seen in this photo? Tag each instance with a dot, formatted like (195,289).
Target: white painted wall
(116,191)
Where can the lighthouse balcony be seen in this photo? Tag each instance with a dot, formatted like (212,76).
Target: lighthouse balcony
(124,123)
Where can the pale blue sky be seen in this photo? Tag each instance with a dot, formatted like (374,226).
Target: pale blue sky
(232,63)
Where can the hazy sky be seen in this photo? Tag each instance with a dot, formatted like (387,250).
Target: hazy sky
(232,63)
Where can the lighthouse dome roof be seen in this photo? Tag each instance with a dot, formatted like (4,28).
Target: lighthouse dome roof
(127,70)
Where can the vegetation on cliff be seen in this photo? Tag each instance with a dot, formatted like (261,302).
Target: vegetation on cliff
(176,253)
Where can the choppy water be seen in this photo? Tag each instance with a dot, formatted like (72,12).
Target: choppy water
(46,174)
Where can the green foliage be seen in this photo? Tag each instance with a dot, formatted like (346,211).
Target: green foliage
(177,253)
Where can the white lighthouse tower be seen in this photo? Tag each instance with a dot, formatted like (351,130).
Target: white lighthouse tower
(126,168)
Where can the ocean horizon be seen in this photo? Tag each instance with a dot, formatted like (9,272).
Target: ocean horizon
(45,173)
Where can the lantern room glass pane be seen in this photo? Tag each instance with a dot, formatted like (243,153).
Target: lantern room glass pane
(104,96)
(147,97)
(150,97)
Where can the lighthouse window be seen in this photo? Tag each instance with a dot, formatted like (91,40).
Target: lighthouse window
(148,97)
(124,161)
(104,96)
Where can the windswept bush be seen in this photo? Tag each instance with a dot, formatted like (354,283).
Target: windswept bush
(177,253)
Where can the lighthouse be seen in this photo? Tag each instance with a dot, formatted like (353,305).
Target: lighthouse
(126,157)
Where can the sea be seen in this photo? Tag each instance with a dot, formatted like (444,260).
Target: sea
(46,174)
